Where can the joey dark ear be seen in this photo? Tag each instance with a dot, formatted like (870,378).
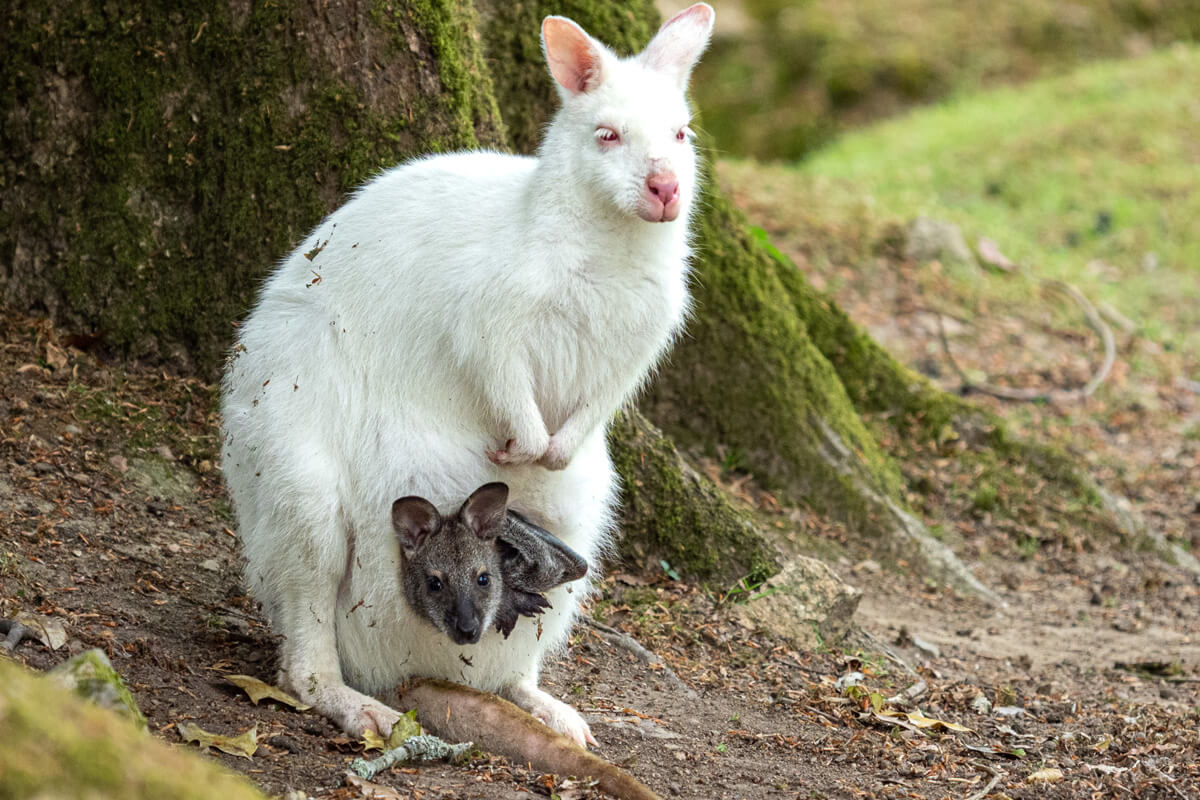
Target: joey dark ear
(556,563)
(677,46)
(484,510)
(414,519)
(576,60)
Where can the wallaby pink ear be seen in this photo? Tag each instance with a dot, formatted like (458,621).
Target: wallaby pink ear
(414,519)
(485,510)
(576,60)
(677,46)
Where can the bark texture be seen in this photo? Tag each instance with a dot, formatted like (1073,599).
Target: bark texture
(159,160)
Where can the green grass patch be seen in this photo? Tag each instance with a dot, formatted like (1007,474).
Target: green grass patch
(1089,178)
(794,75)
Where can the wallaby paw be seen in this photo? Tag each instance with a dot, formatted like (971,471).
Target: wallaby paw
(513,453)
(556,456)
(355,712)
(562,718)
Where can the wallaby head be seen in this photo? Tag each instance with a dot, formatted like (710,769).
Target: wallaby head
(623,129)
(451,565)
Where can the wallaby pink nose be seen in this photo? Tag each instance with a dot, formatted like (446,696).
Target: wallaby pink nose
(664,186)
(661,201)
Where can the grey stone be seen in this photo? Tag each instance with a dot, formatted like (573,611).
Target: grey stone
(91,676)
(935,240)
(805,603)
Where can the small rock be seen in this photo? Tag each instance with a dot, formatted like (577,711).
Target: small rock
(928,648)
(936,240)
(806,602)
(990,255)
(91,675)
(212,565)
(165,452)
(1008,711)
(119,463)
(173,548)
(981,705)
(74,430)
(284,743)
(43,467)
(868,565)
(848,680)
(1046,775)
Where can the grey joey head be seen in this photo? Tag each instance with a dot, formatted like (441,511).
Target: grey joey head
(451,565)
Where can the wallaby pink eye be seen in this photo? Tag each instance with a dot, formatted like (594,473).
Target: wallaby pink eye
(607,135)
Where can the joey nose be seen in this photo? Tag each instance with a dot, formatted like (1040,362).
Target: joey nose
(467,630)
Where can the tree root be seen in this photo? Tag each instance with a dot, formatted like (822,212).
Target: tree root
(1094,320)
(13,632)
(627,642)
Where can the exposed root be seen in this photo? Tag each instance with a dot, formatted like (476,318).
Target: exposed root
(627,642)
(1094,320)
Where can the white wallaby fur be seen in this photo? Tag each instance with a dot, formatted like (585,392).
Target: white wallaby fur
(463,319)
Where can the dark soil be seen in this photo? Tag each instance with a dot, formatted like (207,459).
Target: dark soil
(115,522)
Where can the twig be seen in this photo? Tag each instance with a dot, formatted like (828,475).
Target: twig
(1097,324)
(996,776)
(1094,321)
(627,642)
(1153,770)
(417,748)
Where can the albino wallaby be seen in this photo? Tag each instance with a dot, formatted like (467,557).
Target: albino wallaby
(478,317)
(483,566)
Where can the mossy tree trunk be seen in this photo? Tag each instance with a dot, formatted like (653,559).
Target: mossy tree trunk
(58,745)
(159,159)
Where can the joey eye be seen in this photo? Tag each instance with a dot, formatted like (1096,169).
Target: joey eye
(434,583)
(607,135)
(484,579)
(683,133)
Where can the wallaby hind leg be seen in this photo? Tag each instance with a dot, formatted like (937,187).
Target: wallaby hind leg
(296,556)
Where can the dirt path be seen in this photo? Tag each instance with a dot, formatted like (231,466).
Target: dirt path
(115,523)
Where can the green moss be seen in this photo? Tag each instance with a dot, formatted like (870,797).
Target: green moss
(670,511)
(163,157)
(56,745)
(748,376)
(91,676)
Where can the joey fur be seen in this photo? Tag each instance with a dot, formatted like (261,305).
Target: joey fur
(479,318)
(484,566)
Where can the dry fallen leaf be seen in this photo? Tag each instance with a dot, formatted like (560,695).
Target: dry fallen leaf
(257,690)
(56,357)
(1046,775)
(921,721)
(244,744)
(372,791)
(405,728)
(47,630)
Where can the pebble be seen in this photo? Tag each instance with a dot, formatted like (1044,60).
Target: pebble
(212,565)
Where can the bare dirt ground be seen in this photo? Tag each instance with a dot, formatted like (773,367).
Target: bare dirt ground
(1084,685)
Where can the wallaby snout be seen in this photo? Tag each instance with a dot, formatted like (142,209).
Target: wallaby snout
(660,202)
(467,629)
